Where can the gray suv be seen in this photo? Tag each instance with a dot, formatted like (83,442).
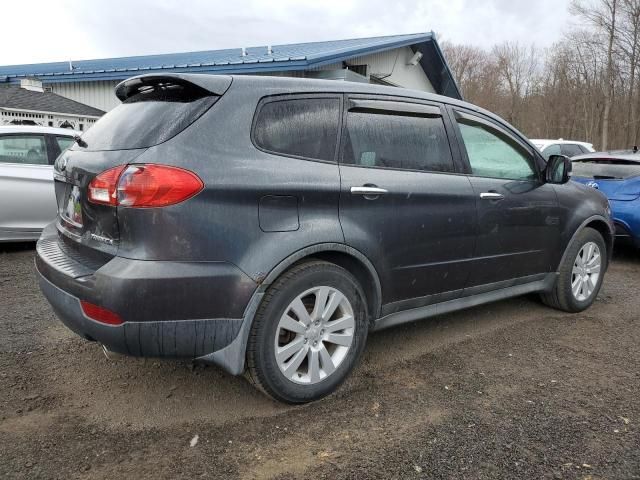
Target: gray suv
(266,225)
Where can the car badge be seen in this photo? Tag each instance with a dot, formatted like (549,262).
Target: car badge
(593,185)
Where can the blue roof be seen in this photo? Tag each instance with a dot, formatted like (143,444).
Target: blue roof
(297,56)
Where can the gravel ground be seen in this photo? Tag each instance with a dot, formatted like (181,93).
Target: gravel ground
(508,390)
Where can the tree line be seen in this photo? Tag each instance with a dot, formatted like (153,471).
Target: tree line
(585,87)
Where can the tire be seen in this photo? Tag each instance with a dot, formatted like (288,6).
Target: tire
(562,297)
(309,282)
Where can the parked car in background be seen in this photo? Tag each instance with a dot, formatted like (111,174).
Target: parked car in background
(616,175)
(568,148)
(268,224)
(27,198)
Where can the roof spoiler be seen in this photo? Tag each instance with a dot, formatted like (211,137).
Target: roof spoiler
(216,84)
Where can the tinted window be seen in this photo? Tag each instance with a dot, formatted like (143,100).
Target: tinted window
(571,149)
(493,154)
(305,127)
(605,168)
(397,141)
(64,142)
(154,114)
(28,149)
(551,150)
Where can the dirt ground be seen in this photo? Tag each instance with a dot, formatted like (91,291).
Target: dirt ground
(508,390)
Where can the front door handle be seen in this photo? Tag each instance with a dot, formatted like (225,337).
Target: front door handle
(368,191)
(491,196)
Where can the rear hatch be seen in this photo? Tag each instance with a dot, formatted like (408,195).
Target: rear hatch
(154,109)
(617,179)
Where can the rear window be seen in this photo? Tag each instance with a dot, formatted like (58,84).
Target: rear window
(152,115)
(302,127)
(605,169)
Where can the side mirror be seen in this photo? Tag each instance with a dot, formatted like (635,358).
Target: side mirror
(558,169)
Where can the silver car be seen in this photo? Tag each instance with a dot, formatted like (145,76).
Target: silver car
(27,199)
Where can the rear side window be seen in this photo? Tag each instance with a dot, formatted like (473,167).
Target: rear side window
(407,142)
(551,150)
(64,142)
(571,150)
(152,115)
(27,149)
(302,127)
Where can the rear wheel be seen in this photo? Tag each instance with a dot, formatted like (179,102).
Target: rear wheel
(308,333)
(581,273)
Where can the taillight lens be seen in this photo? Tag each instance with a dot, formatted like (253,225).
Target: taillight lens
(144,186)
(100,314)
(102,188)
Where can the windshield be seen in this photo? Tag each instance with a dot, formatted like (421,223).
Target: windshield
(614,169)
(153,115)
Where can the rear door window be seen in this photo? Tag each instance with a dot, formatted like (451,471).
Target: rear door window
(152,115)
(399,141)
(26,149)
(299,127)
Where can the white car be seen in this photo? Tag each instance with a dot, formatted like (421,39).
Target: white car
(27,198)
(569,148)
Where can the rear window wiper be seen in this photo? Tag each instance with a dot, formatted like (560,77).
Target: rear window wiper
(80,141)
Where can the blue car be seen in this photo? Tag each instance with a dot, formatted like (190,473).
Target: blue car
(617,176)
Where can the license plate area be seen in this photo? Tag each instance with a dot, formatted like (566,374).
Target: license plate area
(70,207)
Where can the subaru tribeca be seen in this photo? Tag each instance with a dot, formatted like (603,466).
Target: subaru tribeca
(266,225)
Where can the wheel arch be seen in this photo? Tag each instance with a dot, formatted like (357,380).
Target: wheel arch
(344,256)
(602,226)
(232,358)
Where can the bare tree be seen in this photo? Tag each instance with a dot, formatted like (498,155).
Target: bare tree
(602,15)
(585,87)
(629,41)
(516,66)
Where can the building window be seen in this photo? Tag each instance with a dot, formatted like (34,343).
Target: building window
(51,124)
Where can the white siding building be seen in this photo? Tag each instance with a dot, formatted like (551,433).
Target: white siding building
(29,104)
(409,61)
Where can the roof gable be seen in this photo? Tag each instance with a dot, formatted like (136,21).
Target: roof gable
(12,96)
(297,56)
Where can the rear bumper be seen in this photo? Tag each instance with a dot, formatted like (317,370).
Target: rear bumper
(170,309)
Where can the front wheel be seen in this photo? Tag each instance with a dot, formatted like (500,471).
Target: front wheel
(581,273)
(308,333)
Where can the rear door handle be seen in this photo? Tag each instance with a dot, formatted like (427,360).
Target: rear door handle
(368,191)
(491,196)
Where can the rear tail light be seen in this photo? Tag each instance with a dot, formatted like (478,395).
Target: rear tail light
(144,186)
(100,314)
(102,188)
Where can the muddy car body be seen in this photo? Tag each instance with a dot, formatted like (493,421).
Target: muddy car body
(267,224)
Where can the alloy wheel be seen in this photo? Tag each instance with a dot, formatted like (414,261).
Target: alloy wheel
(586,271)
(314,335)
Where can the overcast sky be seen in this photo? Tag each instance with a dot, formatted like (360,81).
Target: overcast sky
(51,30)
